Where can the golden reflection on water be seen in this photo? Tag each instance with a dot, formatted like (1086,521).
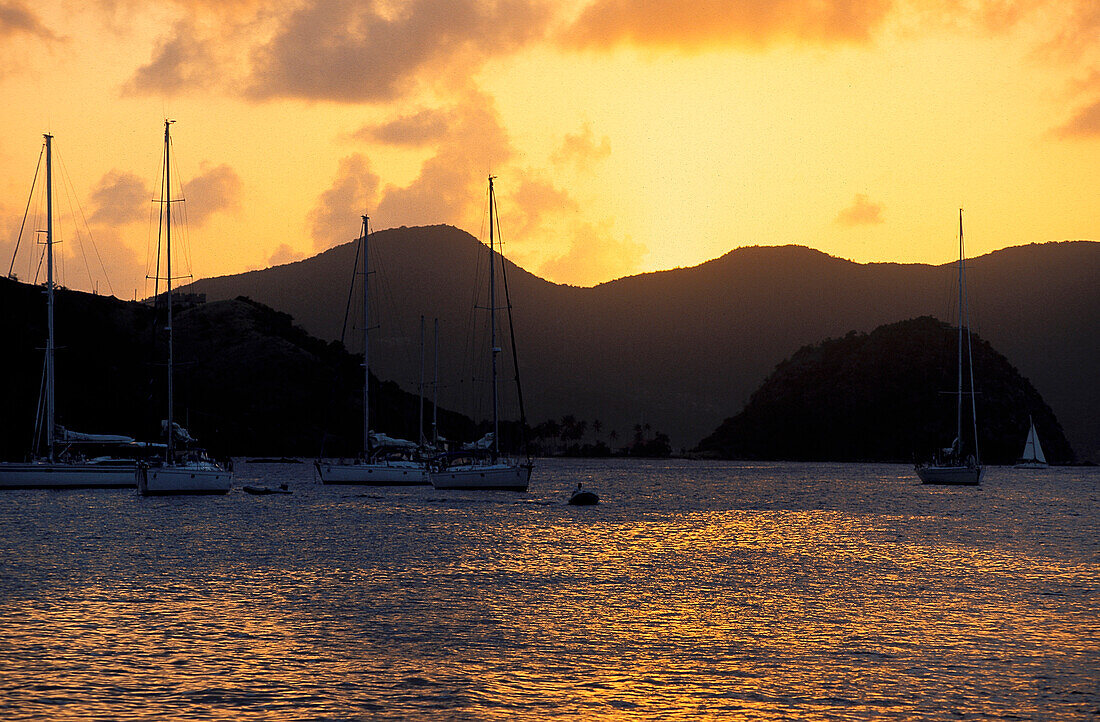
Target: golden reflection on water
(420,606)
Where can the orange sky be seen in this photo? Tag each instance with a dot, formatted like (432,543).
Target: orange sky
(627,136)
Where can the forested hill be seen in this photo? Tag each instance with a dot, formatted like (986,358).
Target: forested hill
(881,396)
(248,381)
(683,349)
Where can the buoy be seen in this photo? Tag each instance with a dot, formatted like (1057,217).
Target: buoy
(582,497)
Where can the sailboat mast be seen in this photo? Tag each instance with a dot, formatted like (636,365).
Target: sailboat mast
(969,347)
(435,389)
(50,379)
(166,195)
(366,341)
(493,350)
(959,395)
(420,387)
(515,359)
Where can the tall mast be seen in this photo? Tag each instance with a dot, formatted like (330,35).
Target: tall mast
(515,357)
(962,301)
(969,348)
(366,342)
(50,380)
(166,195)
(493,350)
(420,387)
(435,389)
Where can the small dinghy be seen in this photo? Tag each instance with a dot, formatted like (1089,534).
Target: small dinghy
(582,497)
(267,490)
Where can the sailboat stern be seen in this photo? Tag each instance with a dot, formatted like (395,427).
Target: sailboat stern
(197,478)
(951,475)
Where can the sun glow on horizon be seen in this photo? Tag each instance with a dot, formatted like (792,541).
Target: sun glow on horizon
(623,143)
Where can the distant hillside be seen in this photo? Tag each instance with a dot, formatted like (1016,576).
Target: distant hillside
(683,349)
(876,397)
(247,382)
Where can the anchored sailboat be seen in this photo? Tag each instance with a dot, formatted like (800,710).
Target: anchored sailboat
(953,465)
(183,470)
(385,461)
(1032,456)
(63,465)
(480,465)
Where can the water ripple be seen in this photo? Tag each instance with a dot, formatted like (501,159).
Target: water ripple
(699,590)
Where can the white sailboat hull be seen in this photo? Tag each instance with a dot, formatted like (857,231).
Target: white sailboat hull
(200,478)
(487,477)
(46,475)
(1033,464)
(399,474)
(951,475)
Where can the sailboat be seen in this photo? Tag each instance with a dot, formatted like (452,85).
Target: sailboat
(182,470)
(385,461)
(1032,456)
(952,466)
(63,465)
(480,465)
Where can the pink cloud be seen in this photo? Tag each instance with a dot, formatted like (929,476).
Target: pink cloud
(16,18)
(418,129)
(701,24)
(354,51)
(450,185)
(119,198)
(581,148)
(336,217)
(217,188)
(187,58)
(862,212)
(284,254)
(1084,124)
(533,201)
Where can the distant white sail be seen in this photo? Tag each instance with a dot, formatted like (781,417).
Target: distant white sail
(1033,450)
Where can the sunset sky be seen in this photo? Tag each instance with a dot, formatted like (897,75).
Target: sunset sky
(627,136)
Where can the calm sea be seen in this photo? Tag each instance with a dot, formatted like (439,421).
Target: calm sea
(695,589)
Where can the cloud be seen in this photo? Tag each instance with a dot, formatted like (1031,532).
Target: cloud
(1085,124)
(217,188)
(862,212)
(450,185)
(704,24)
(105,264)
(419,129)
(284,254)
(119,198)
(534,200)
(354,51)
(581,148)
(22,34)
(593,255)
(1075,36)
(184,59)
(336,217)
(17,19)
(102,262)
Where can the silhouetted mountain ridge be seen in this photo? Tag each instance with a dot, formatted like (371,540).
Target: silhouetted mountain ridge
(248,381)
(683,349)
